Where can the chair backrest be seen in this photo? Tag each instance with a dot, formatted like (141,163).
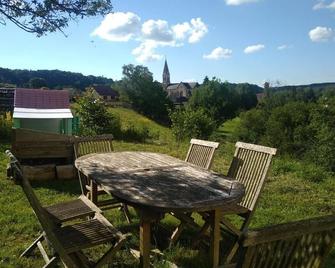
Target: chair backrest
(201,153)
(97,144)
(250,166)
(297,244)
(41,214)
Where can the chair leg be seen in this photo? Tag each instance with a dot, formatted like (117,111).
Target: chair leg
(106,257)
(34,245)
(126,213)
(232,253)
(203,231)
(51,263)
(176,234)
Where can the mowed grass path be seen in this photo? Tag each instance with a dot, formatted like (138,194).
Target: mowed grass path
(287,196)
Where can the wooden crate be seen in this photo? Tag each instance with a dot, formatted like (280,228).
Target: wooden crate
(31,144)
(66,172)
(40,172)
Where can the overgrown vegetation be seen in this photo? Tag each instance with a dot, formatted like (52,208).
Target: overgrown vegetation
(302,128)
(188,123)
(95,118)
(288,195)
(5,127)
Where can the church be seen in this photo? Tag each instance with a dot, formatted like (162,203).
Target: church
(177,92)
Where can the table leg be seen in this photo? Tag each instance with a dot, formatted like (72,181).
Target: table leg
(145,245)
(94,192)
(215,238)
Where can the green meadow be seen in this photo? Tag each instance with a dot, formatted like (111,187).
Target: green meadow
(294,190)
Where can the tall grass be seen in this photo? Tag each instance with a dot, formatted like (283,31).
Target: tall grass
(292,192)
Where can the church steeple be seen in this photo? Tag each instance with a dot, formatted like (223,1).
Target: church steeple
(166,75)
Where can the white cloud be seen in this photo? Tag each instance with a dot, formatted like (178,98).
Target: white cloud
(157,30)
(321,34)
(145,52)
(198,30)
(239,2)
(152,34)
(253,48)
(322,4)
(181,30)
(118,26)
(219,53)
(283,47)
(193,31)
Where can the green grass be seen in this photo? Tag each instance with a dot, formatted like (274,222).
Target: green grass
(287,196)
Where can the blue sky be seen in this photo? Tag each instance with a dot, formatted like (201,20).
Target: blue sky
(236,40)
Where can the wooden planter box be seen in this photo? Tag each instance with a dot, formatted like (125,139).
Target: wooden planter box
(40,172)
(65,172)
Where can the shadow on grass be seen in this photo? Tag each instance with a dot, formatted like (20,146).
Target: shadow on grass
(71,187)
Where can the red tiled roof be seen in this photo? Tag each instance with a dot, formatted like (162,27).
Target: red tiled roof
(41,99)
(105,91)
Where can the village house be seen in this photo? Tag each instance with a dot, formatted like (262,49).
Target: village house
(105,92)
(43,110)
(177,92)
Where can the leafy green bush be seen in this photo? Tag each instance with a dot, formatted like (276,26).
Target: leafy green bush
(288,128)
(95,118)
(136,133)
(5,127)
(189,123)
(252,126)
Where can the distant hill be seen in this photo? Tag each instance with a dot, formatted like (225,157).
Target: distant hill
(53,78)
(316,86)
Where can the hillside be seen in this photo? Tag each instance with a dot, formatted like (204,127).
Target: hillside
(288,195)
(316,87)
(53,78)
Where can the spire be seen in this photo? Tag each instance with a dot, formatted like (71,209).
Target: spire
(166,75)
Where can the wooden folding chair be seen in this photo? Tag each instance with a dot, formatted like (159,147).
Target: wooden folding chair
(69,240)
(97,144)
(250,166)
(200,153)
(303,243)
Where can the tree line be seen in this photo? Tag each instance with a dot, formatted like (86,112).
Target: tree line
(54,79)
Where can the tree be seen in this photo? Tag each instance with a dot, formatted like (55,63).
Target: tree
(95,118)
(45,16)
(145,95)
(188,123)
(37,82)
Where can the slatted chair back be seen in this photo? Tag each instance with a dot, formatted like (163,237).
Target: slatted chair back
(41,214)
(304,244)
(201,153)
(250,166)
(97,144)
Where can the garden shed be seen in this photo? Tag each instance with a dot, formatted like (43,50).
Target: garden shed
(42,109)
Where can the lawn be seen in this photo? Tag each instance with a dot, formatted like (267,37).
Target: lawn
(292,192)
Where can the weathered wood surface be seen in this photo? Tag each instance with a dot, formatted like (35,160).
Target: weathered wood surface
(69,240)
(250,166)
(96,144)
(65,172)
(31,144)
(40,172)
(297,244)
(159,181)
(201,153)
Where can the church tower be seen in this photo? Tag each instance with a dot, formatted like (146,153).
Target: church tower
(166,75)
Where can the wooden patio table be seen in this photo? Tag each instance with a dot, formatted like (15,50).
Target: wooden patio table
(155,184)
